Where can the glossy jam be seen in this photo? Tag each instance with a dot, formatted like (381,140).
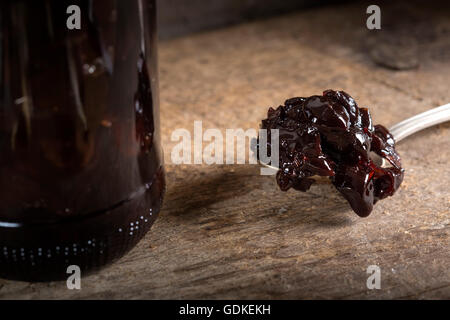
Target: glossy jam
(81,176)
(331,136)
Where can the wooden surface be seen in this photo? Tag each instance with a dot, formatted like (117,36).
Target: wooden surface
(227,232)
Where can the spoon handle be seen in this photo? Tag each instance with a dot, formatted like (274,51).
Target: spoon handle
(421,121)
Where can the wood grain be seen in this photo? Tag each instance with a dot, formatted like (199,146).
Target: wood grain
(228,232)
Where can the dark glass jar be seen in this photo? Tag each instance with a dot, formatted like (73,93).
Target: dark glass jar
(81,176)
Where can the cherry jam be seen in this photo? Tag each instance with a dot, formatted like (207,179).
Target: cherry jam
(329,135)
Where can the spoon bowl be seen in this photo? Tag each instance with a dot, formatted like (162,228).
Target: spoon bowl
(400,130)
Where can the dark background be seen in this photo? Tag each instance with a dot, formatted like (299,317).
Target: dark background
(180,17)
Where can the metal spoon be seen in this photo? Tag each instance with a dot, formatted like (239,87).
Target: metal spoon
(410,126)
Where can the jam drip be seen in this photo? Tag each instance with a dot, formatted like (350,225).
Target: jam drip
(331,136)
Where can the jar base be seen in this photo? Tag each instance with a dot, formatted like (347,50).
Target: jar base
(43,252)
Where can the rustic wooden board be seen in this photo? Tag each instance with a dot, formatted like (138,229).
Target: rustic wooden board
(227,232)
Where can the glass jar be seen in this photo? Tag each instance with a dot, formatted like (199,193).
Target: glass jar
(81,175)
